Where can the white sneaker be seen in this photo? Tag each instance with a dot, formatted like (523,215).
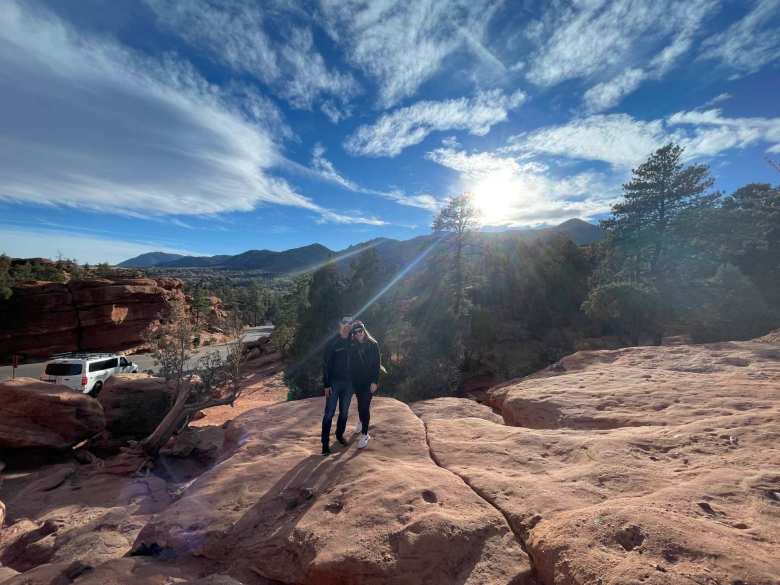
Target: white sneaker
(358,428)
(363,442)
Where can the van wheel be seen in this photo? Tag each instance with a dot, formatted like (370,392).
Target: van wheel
(96,389)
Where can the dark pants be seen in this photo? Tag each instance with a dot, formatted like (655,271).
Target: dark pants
(364,396)
(341,396)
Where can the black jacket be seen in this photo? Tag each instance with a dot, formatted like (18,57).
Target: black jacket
(364,363)
(335,363)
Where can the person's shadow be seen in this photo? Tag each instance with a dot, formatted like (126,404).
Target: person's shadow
(265,530)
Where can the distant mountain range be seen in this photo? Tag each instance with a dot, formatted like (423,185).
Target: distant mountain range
(308,257)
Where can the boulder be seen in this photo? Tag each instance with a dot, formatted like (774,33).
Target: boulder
(134,404)
(275,509)
(123,571)
(67,513)
(654,465)
(36,414)
(6,573)
(454,408)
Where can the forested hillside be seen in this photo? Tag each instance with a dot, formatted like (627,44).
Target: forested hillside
(679,258)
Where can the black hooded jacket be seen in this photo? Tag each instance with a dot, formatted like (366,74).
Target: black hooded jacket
(335,363)
(364,363)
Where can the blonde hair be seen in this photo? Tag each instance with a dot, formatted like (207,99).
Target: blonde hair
(361,325)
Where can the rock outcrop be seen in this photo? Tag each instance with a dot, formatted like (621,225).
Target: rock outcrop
(42,318)
(639,466)
(655,465)
(35,414)
(134,404)
(69,513)
(275,509)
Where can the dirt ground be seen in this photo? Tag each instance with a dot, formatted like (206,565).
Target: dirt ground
(260,390)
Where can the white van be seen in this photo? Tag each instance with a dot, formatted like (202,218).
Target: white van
(86,372)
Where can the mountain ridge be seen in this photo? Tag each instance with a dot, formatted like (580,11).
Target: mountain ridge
(309,256)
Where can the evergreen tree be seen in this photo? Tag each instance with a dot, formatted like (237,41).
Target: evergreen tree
(317,322)
(729,306)
(459,219)
(627,309)
(5,277)
(200,304)
(748,235)
(661,191)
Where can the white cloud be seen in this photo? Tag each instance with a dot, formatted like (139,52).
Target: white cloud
(509,192)
(324,169)
(238,34)
(97,126)
(605,95)
(623,141)
(618,43)
(750,43)
(403,44)
(404,127)
(710,133)
(721,97)
(617,139)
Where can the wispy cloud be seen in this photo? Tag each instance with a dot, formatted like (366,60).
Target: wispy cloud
(609,93)
(324,169)
(403,44)
(510,192)
(623,141)
(101,127)
(618,43)
(751,43)
(721,97)
(397,130)
(261,40)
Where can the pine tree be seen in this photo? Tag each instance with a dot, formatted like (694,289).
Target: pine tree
(458,218)
(317,322)
(661,191)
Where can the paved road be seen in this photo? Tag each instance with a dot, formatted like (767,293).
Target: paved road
(144,361)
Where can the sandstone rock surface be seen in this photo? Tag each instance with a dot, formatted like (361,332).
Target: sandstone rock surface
(65,513)
(654,465)
(36,414)
(42,318)
(276,509)
(134,404)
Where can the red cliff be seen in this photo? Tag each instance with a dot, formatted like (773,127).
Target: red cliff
(42,318)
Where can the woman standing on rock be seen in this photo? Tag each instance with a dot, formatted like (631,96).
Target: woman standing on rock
(364,372)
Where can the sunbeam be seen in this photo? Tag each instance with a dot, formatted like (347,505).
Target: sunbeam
(393,281)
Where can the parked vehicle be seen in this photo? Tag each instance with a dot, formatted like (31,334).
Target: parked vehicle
(86,372)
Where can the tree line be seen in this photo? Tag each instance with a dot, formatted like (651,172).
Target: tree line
(679,258)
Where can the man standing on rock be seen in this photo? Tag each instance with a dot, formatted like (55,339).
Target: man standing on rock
(338,387)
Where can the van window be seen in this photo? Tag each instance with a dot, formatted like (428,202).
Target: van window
(103,365)
(63,369)
(123,362)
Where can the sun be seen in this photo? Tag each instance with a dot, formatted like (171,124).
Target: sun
(491,196)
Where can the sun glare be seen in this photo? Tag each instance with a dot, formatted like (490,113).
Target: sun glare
(492,197)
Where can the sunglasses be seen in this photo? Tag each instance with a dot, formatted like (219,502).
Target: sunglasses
(358,331)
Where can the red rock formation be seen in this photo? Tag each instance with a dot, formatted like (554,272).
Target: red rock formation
(35,414)
(134,404)
(654,465)
(43,318)
(276,511)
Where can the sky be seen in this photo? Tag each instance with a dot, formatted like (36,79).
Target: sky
(213,127)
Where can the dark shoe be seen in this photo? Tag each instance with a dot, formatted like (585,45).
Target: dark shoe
(340,439)
(325,450)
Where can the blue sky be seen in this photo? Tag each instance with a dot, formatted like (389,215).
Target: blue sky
(207,127)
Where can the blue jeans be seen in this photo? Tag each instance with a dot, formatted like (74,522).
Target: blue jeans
(341,395)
